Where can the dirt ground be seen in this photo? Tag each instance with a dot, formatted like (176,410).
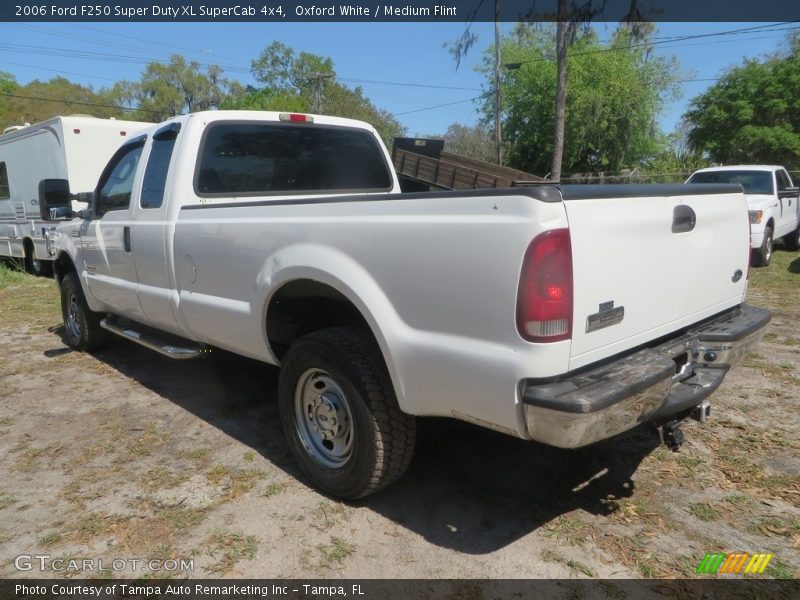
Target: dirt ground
(124,454)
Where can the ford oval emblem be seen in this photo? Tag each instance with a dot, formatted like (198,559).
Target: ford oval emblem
(737,275)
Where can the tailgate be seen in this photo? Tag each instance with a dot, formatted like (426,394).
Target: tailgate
(651,259)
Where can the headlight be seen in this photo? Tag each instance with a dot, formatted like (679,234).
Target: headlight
(755,216)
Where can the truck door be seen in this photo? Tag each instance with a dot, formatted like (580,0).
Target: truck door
(788,203)
(106,240)
(151,237)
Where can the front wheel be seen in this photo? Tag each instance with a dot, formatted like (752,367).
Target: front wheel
(340,414)
(82,329)
(763,255)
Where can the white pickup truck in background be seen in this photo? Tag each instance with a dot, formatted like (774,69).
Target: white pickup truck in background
(773,203)
(532,311)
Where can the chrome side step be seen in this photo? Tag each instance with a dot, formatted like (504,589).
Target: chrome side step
(150,339)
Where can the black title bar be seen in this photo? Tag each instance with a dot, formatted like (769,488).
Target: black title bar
(277,11)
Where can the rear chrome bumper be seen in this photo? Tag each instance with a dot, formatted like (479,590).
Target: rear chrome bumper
(649,385)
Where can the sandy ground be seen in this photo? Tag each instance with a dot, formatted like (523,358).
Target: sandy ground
(123,454)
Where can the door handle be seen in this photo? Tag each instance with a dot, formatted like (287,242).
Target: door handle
(126,238)
(683,219)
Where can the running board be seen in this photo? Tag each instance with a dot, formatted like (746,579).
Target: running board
(150,339)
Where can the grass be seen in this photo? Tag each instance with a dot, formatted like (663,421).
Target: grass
(704,512)
(573,531)
(229,549)
(6,500)
(235,481)
(574,565)
(336,551)
(273,489)
(51,539)
(777,569)
(27,301)
(738,499)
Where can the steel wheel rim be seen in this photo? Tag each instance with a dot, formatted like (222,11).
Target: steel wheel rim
(323,419)
(73,319)
(769,248)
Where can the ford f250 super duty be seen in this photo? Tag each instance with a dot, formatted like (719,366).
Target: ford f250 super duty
(563,314)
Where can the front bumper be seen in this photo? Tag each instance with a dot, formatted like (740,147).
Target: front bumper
(651,384)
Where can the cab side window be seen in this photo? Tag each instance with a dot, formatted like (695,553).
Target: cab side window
(783,180)
(5,193)
(116,183)
(155,174)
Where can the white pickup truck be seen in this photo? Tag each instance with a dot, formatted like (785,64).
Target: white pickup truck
(773,203)
(533,311)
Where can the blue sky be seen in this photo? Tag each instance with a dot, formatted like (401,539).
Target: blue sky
(365,54)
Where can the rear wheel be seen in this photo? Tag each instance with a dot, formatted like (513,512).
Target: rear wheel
(82,329)
(792,240)
(340,414)
(763,255)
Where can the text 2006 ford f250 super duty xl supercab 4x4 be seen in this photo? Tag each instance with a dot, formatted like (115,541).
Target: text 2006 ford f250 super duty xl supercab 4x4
(563,314)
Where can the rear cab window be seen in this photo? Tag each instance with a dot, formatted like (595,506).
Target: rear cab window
(261,159)
(753,182)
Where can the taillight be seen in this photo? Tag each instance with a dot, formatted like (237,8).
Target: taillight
(544,299)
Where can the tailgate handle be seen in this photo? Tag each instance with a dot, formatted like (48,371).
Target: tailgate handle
(683,219)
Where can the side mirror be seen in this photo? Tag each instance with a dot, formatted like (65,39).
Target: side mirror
(83,205)
(792,192)
(55,201)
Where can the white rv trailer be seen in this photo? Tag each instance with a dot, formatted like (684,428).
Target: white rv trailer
(75,148)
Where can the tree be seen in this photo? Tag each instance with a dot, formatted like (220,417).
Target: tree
(474,142)
(175,88)
(307,83)
(8,85)
(615,93)
(41,100)
(752,114)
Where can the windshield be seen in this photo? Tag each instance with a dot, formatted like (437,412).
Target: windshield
(753,182)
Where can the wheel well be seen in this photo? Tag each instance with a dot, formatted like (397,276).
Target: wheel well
(303,306)
(27,247)
(771,224)
(62,265)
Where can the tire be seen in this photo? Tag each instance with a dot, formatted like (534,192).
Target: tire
(34,266)
(792,240)
(763,255)
(82,329)
(340,414)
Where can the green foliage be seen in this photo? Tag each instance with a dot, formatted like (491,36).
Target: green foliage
(475,142)
(278,68)
(175,88)
(752,114)
(58,96)
(306,82)
(675,162)
(614,95)
(267,99)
